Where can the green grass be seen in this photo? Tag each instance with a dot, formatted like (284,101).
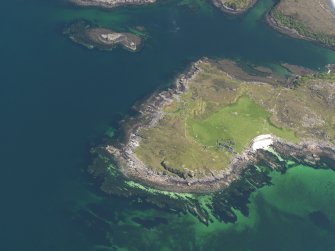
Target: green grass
(239,123)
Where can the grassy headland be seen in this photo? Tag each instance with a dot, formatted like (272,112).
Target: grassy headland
(219,115)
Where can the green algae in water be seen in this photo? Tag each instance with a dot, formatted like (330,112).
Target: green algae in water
(257,12)
(110,132)
(295,213)
(173,195)
(308,190)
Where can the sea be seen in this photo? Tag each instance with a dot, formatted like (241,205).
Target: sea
(59,99)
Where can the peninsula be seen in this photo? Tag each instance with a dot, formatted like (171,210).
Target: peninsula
(91,36)
(217,120)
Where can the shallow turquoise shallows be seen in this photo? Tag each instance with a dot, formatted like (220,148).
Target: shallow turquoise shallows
(57,100)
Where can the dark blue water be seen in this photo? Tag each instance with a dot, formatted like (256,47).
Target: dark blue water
(58,98)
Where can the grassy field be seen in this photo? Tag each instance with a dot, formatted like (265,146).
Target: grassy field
(237,4)
(237,124)
(311,18)
(220,115)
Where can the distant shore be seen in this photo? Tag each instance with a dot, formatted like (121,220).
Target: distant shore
(92,36)
(308,152)
(111,3)
(118,3)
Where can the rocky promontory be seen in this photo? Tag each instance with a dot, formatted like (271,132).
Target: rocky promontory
(111,3)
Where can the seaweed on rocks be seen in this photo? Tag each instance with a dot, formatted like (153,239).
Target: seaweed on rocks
(315,154)
(221,205)
(236,196)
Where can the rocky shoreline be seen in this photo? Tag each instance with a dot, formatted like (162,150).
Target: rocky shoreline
(309,152)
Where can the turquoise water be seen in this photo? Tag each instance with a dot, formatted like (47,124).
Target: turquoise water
(296,213)
(57,99)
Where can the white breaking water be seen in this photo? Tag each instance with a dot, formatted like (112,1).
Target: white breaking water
(333,3)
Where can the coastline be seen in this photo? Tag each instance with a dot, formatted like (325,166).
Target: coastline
(119,3)
(150,113)
(291,33)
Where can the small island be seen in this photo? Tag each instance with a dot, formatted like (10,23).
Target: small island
(110,3)
(91,37)
(200,135)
